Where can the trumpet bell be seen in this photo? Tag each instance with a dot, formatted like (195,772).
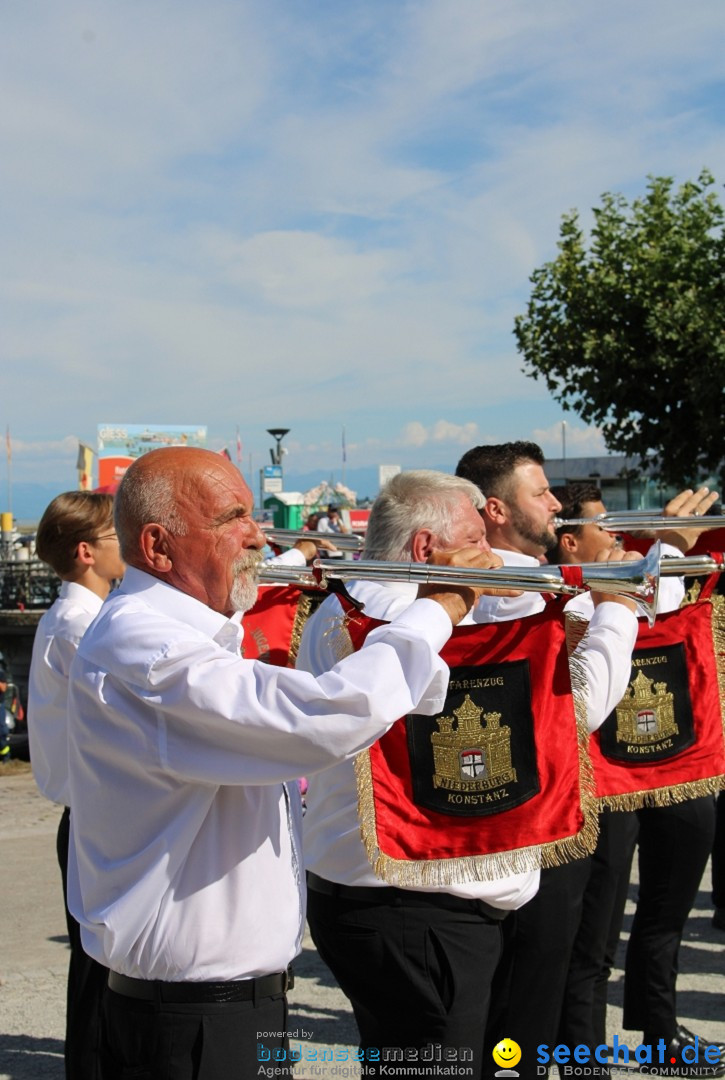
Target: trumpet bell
(638,580)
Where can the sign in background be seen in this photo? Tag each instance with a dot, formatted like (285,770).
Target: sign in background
(120,444)
(272,479)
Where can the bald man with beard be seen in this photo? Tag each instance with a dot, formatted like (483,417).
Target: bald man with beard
(184,869)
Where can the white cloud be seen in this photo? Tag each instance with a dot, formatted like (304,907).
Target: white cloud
(572,440)
(66,447)
(301,269)
(255,214)
(442,431)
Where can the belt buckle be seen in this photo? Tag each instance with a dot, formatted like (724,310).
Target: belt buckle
(288,980)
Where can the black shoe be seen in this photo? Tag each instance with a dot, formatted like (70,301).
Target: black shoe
(697,1070)
(718,918)
(687,1037)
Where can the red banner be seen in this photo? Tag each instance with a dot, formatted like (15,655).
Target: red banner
(273,627)
(500,782)
(664,742)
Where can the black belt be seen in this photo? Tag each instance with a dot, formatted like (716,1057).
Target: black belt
(390,894)
(201,992)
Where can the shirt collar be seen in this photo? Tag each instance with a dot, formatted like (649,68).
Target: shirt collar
(80,595)
(180,606)
(516,558)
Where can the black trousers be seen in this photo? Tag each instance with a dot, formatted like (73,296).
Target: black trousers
(418,974)
(86,986)
(528,987)
(584,1007)
(674,845)
(153,1040)
(718,854)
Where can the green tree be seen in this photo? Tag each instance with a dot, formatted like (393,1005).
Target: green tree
(629,331)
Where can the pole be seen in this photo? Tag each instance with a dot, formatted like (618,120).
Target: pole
(563,448)
(9,450)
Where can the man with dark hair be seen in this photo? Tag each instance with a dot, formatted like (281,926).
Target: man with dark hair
(185,867)
(672,837)
(580,500)
(77,538)
(520,516)
(520,506)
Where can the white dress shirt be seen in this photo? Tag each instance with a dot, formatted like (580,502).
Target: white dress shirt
(185,836)
(56,639)
(332,843)
(291,557)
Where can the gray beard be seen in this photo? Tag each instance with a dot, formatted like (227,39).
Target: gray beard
(243,594)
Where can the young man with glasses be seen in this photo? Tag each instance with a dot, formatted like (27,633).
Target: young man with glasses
(77,538)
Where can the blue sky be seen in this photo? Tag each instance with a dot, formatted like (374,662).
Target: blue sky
(262,213)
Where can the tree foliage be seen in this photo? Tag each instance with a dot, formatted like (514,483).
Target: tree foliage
(629,331)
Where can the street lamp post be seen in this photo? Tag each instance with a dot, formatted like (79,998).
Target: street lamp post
(277,433)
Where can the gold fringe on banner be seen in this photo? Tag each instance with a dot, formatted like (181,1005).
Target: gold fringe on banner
(577,629)
(665,796)
(338,636)
(302,614)
(492,865)
(306,606)
(718,641)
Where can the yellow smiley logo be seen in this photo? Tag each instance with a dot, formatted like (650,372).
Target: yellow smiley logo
(507,1053)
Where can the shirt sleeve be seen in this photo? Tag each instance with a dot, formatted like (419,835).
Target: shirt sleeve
(490,609)
(214,717)
(605,654)
(672,589)
(293,557)
(59,654)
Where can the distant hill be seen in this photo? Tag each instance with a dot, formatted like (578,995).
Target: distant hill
(363,481)
(30,500)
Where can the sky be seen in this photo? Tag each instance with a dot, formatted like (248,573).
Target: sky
(316,214)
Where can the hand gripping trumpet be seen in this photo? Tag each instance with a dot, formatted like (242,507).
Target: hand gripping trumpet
(638,580)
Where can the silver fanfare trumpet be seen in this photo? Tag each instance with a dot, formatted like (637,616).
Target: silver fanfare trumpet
(289,537)
(645,521)
(638,580)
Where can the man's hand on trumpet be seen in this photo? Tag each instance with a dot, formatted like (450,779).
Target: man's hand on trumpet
(615,554)
(311,548)
(688,503)
(685,504)
(459,599)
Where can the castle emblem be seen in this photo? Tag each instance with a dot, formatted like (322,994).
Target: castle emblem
(646,715)
(471,754)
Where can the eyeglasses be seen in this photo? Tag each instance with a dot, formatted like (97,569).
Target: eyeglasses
(106,536)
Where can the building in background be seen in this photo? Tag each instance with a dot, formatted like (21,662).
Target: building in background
(120,444)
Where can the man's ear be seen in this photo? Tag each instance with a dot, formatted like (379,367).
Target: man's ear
(495,511)
(153,544)
(422,544)
(569,543)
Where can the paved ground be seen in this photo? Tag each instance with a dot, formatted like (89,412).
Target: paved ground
(33,959)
